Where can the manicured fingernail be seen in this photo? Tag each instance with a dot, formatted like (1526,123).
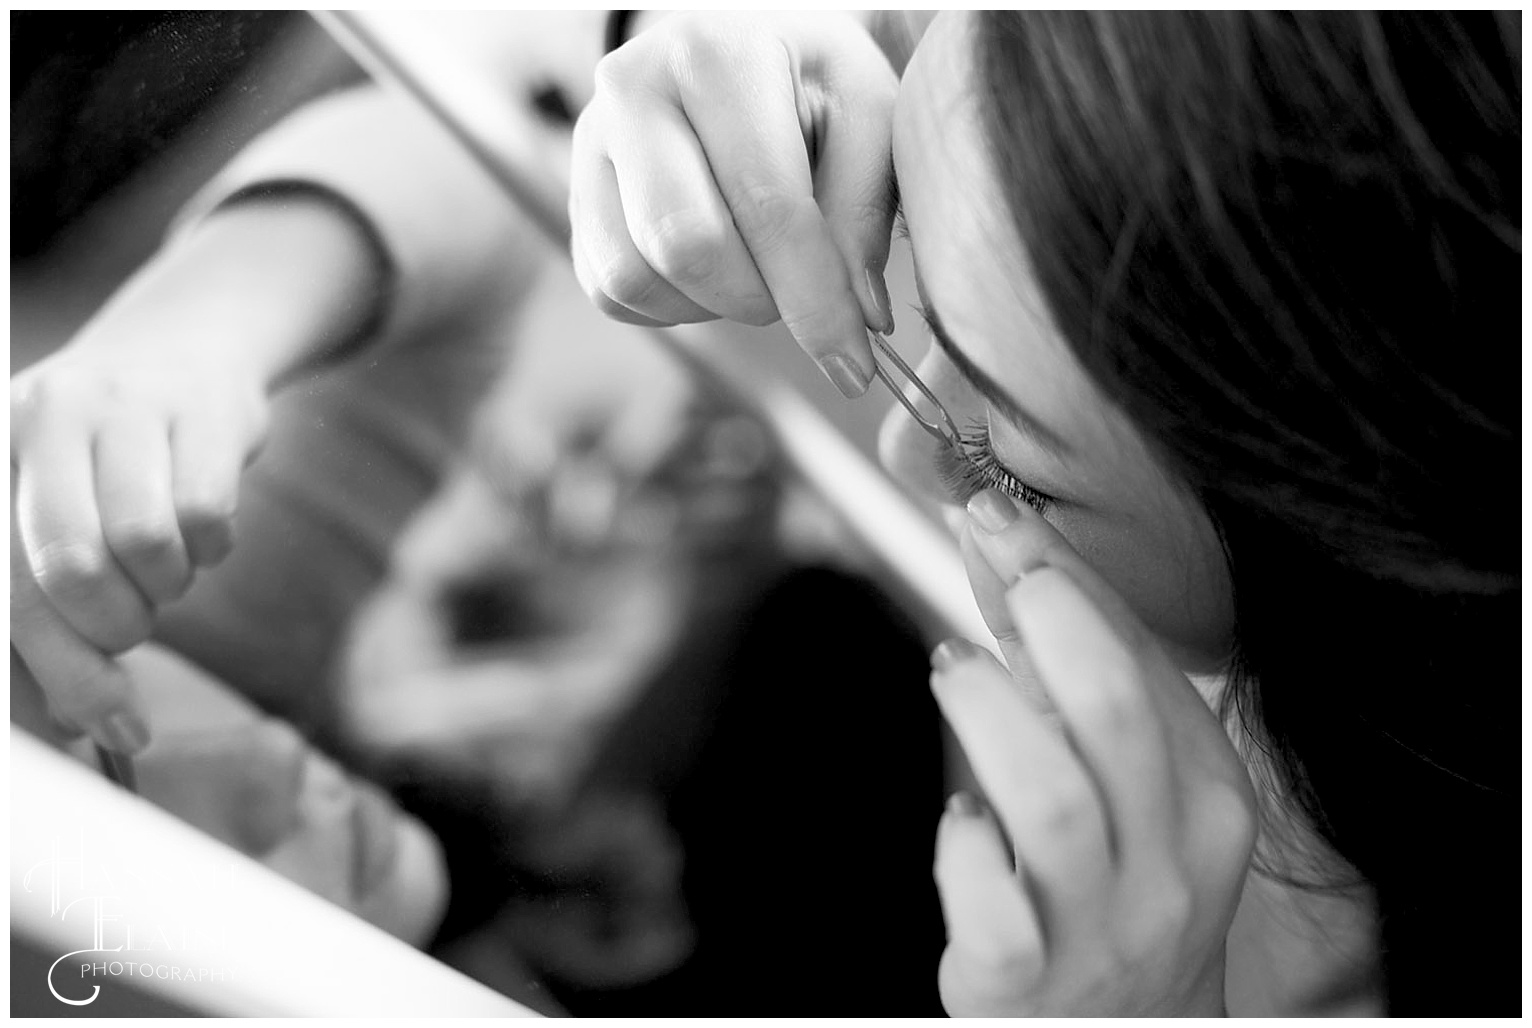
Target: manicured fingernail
(963,804)
(952,651)
(1032,564)
(126,732)
(992,510)
(851,380)
(877,291)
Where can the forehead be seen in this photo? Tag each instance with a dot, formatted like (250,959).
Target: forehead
(974,268)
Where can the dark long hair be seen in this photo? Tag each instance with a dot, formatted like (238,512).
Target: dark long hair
(1289,247)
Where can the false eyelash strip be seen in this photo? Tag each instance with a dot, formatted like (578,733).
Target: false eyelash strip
(975,468)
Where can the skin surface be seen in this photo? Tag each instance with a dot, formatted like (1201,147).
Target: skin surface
(1116,508)
(1131,522)
(255,783)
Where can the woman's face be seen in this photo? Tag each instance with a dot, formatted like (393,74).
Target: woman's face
(1004,369)
(256,784)
(261,788)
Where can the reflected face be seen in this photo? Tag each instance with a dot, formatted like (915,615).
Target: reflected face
(1003,370)
(263,790)
(256,784)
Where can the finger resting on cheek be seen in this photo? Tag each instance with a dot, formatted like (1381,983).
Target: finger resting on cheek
(989,594)
(1026,543)
(1071,631)
(988,589)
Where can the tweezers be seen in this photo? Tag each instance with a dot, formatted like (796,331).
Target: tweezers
(944,430)
(118,768)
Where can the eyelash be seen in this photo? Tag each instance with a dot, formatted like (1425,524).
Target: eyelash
(977,468)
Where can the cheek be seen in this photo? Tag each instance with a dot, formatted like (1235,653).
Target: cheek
(1171,572)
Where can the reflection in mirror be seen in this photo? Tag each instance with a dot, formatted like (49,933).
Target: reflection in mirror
(517,653)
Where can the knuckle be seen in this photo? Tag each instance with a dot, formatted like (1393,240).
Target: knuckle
(765,214)
(1159,922)
(704,41)
(1117,705)
(142,540)
(24,402)
(34,396)
(71,570)
(684,247)
(815,323)
(1065,811)
(612,71)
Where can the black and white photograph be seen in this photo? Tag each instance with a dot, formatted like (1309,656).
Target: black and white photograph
(766,514)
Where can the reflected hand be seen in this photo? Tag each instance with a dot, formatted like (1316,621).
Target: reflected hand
(738,167)
(125,465)
(1129,815)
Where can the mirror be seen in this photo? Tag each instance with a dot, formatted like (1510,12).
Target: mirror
(586,695)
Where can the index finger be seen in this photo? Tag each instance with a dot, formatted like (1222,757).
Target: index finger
(761,166)
(1015,539)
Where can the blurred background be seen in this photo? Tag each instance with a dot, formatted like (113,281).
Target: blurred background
(672,733)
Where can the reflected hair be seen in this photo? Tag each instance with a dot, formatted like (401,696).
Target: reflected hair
(1288,246)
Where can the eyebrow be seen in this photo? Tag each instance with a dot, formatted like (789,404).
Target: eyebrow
(991,390)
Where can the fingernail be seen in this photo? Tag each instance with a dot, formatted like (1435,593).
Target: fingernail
(877,291)
(992,510)
(126,732)
(1032,564)
(850,379)
(963,804)
(952,651)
